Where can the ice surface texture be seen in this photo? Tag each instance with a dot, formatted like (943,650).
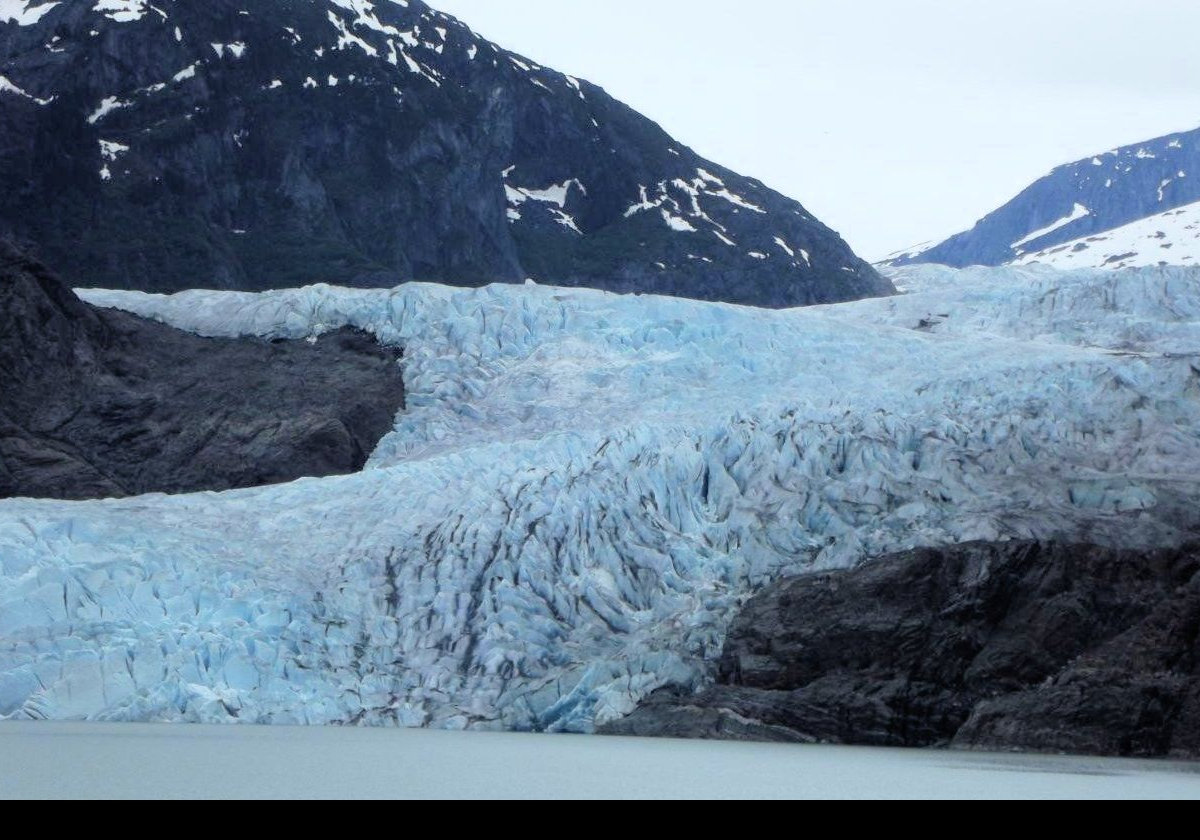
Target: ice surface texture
(585,488)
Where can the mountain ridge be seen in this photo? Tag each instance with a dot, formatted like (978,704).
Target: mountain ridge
(171,146)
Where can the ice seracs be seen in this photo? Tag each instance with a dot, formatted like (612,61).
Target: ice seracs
(584,487)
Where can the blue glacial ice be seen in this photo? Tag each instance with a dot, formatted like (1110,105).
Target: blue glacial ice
(585,487)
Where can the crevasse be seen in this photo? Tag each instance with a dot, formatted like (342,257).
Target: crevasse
(585,487)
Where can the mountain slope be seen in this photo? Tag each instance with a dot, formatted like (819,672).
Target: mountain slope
(1108,211)
(99,403)
(1171,237)
(249,146)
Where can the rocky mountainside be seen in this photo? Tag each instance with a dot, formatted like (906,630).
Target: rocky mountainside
(99,403)
(279,143)
(1134,206)
(1044,647)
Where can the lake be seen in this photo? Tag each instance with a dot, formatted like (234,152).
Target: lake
(89,760)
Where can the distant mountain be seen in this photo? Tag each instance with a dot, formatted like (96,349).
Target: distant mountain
(1134,206)
(221,144)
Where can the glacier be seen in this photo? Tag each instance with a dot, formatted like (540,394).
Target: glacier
(585,487)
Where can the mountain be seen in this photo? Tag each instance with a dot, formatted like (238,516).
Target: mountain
(99,403)
(999,646)
(1134,206)
(584,489)
(232,145)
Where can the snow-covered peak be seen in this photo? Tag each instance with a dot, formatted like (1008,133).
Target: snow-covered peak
(291,123)
(1090,201)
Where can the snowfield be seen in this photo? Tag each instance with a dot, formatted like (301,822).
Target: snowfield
(585,487)
(1169,237)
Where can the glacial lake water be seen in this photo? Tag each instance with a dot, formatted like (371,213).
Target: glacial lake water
(88,760)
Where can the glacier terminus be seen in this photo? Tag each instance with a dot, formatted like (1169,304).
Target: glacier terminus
(585,487)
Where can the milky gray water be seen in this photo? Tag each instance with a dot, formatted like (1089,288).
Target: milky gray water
(122,760)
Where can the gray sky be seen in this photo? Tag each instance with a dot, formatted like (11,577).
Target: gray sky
(894,121)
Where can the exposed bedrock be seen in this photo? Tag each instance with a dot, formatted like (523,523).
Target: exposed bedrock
(1010,646)
(99,403)
(276,144)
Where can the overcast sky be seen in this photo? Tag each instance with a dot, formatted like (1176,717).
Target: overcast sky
(894,121)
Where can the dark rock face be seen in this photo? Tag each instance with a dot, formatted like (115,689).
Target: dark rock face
(278,143)
(99,403)
(1115,188)
(1026,646)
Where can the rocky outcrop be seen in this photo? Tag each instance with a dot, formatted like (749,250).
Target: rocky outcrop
(275,144)
(99,403)
(1014,646)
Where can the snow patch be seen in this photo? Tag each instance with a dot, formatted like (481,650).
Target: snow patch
(1077,212)
(677,223)
(237,49)
(346,38)
(23,12)
(106,107)
(7,86)
(110,150)
(555,194)
(122,11)
(1169,238)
